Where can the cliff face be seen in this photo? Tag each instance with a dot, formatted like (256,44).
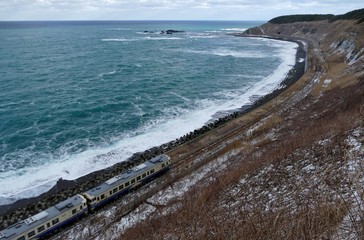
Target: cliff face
(338,44)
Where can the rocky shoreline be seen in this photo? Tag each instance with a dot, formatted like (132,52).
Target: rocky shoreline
(63,189)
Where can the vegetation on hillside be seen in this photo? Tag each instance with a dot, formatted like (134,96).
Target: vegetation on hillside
(353,15)
(301,18)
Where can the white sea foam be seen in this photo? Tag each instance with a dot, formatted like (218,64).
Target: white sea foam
(209,34)
(107,73)
(31,182)
(162,38)
(234,29)
(138,39)
(213,31)
(180,96)
(224,52)
(287,54)
(138,110)
(202,36)
(118,29)
(119,39)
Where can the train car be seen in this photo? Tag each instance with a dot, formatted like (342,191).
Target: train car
(123,183)
(47,221)
(68,211)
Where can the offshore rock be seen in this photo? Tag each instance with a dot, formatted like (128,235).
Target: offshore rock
(173,31)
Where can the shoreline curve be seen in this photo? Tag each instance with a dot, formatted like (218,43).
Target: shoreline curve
(65,188)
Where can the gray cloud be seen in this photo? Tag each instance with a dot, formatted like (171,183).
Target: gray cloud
(167,9)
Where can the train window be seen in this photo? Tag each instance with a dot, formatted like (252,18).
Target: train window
(74,211)
(151,171)
(102,196)
(48,225)
(41,229)
(139,177)
(115,190)
(21,238)
(144,175)
(98,198)
(110,192)
(120,187)
(55,221)
(81,207)
(132,181)
(163,165)
(148,173)
(127,184)
(31,234)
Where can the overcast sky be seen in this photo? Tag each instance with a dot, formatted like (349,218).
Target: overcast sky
(168,9)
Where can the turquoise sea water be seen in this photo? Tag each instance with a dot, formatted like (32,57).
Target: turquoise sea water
(72,92)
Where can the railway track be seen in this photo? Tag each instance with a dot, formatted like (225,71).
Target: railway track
(193,156)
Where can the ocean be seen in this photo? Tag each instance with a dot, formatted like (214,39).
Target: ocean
(73,92)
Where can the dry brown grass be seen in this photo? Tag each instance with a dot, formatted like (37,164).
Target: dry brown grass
(302,210)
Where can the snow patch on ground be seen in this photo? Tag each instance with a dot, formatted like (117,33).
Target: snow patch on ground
(293,183)
(348,229)
(326,83)
(173,194)
(138,215)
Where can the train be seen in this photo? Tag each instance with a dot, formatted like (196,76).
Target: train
(43,224)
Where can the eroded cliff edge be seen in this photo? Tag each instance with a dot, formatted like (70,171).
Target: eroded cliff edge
(338,45)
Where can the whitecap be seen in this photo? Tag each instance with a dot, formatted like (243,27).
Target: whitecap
(181,97)
(107,73)
(224,52)
(138,110)
(213,31)
(235,29)
(118,39)
(203,36)
(162,38)
(118,29)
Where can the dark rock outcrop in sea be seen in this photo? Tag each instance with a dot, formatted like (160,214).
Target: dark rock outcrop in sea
(173,31)
(169,31)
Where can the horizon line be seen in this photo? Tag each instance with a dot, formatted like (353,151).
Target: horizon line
(134,20)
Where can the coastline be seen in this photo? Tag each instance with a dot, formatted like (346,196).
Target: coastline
(65,188)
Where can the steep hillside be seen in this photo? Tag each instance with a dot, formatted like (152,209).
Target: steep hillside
(294,171)
(353,15)
(338,44)
(301,18)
